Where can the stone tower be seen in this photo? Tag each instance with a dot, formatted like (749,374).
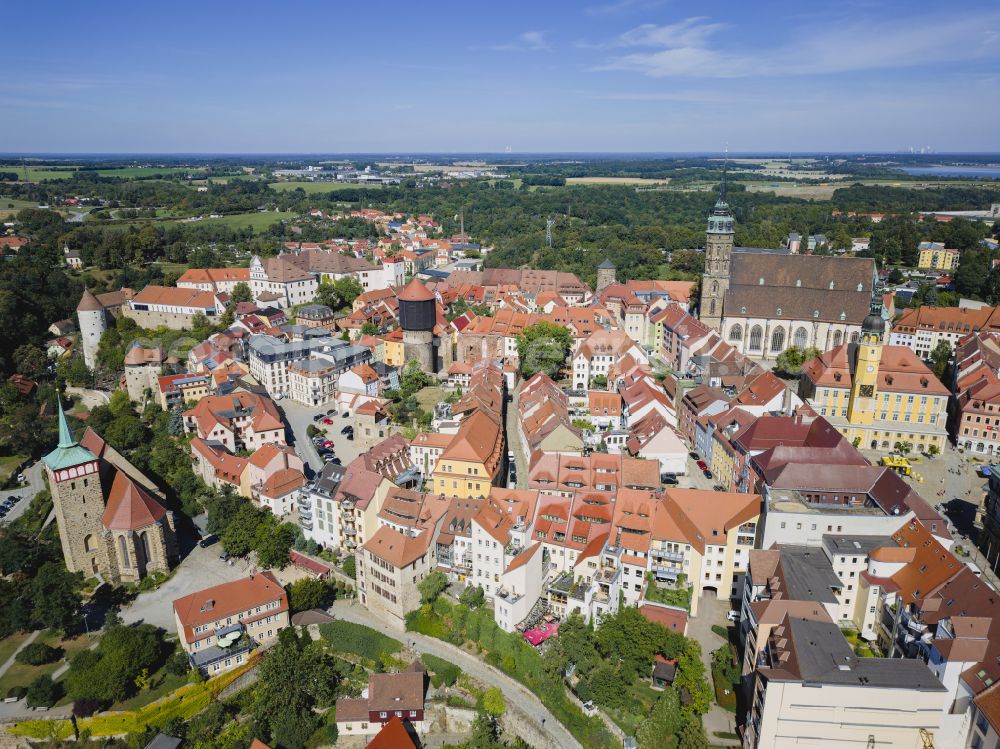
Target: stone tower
(605,276)
(868,356)
(93,323)
(718,258)
(78,499)
(417,318)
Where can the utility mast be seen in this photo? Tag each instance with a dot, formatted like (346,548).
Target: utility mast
(549,223)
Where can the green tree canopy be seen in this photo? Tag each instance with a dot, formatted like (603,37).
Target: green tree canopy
(543,347)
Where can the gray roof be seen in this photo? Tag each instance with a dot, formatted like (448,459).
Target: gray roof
(314,312)
(607,265)
(162,741)
(825,657)
(859,546)
(311,365)
(329,479)
(808,574)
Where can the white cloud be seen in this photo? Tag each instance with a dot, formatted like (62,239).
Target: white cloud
(683,49)
(529,41)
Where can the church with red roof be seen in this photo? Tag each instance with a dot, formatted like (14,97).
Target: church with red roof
(112,522)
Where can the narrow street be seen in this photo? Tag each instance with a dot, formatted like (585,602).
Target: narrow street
(513,691)
(514,445)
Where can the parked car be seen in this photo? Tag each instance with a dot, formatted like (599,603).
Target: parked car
(707,474)
(328,421)
(733,616)
(719,488)
(350,436)
(208,541)
(327,443)
(694,455)
(21,479)
(702,465)
(346,415)
(589,707)
(669,478)
(347,430)
(318,417)
(331,412)
(3,512)
(224,556)
(335,460)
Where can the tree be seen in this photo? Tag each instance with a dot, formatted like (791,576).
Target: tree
(309,593)
(273,542)
(57,600)
(432,586)
(665,719)
(110,672)
(903,448)
(493,702)
(692,735)
(473,597)
(348,289)
(896,276)
(241,293)
(294,679)
(543,347)
(31,361)
(940,359)
(933,450)
(789,362)
(350,567)
(43,692)
(240,533)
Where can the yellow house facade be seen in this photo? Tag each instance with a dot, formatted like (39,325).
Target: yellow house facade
(394,356)
(469,466)
(934,256)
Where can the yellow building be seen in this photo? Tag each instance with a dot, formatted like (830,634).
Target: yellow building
(471,463)
(935,256)
(394,356)
(877,395)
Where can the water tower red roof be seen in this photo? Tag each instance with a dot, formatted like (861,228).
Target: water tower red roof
(415,291)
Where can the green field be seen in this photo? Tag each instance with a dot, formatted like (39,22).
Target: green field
(10,206)
(257,220)
(313,187)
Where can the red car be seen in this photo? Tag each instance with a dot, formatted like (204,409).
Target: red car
(702,465)
(328,421)
(328,443)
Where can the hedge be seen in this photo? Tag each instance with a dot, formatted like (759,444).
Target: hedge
(359,639)
(184,703)
(444,672)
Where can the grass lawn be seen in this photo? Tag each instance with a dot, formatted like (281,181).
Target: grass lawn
(21,674)
(7,465)
(9,644)
(141,171)
(313,187)
(39,173)
(163,684)
(429,397)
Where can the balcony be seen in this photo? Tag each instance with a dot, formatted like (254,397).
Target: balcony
(305,512)
(350,531)
(305,523)
(349,543)
(670,556)
(347,504)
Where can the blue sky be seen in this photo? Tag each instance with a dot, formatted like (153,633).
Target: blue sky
(593,75)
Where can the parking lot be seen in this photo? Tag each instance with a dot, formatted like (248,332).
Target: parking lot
(200,569)
(27,491)
(299,417)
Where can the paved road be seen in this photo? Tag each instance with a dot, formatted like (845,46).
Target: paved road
(514,692)
(36,482)
(514,445)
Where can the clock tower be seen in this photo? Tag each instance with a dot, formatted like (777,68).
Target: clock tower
(868,353)
(719,242)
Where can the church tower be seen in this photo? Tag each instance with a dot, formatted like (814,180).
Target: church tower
(78,500)
(719,242)
(864,384)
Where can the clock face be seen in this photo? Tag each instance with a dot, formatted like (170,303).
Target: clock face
(866,391)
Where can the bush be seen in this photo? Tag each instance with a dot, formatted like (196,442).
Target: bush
(358,639)
(443,673)
(86,707)
(38,653)
(350,567)
(178,664)
(16,693)
(43,692)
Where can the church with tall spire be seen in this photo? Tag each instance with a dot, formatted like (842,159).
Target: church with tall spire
(112,522)
(763,301)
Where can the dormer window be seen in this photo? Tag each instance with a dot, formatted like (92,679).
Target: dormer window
(761,281)
(831,284)
(798,282)
(843,316)
(861,287)
(778,311)
(743,310)
(815,313)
